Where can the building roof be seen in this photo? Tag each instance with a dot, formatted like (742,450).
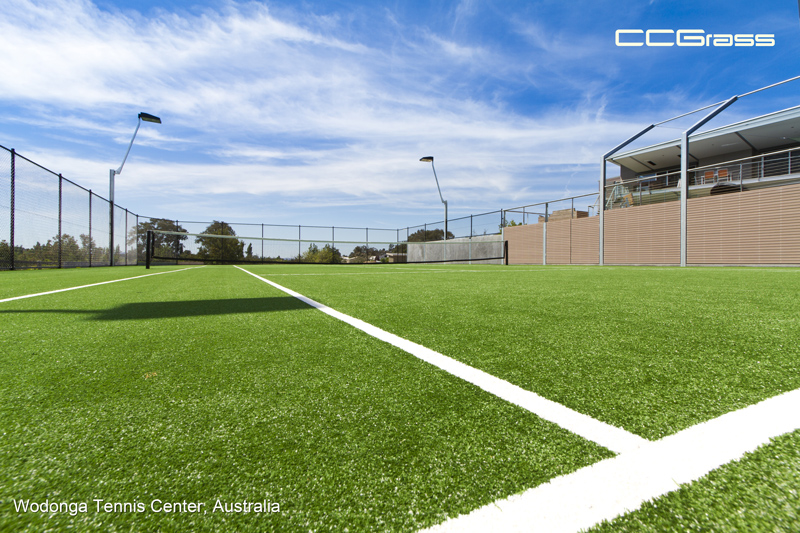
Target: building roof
(757,134)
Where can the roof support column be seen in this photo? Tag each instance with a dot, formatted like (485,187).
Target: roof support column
(602,193)
(684,183)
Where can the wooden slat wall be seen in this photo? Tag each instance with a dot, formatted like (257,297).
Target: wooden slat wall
(747,228)
(524,244)
(558,242)
(643,235)
(586,241)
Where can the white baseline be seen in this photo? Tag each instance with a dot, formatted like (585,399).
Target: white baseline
(92,285)
(615,486)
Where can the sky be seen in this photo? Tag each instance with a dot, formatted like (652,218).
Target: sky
(317,112)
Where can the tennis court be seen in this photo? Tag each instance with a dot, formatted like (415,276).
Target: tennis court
(397,397)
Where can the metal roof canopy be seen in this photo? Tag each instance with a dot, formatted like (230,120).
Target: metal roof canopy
(763,133)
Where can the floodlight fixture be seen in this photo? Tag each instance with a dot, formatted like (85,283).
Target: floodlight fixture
(146,117)
(429,159)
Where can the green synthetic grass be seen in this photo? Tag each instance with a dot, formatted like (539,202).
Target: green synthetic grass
(208,384)
(652,350)
(758,493)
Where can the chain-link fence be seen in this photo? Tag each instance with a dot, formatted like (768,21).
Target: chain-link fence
(180,241)
(49,221)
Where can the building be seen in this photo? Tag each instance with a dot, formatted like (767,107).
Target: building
(742,205)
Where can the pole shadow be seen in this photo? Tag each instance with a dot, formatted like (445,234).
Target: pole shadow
(181,309)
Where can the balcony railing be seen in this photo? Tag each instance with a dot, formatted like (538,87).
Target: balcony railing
(766,170)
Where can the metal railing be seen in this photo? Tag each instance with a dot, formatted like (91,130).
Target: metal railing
(490,223)
(546,211)
(781,167)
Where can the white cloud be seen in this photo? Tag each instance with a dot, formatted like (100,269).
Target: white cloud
(288,108)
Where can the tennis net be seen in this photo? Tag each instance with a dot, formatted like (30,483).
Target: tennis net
(177,247)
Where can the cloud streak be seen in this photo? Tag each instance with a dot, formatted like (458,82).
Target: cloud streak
(280,106)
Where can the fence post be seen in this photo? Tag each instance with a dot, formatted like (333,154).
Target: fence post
(299,244)
(544,234)
(90,228)
(147,259)
(127,259)
(60,202)
(571,216)
(111,220)
(13,179)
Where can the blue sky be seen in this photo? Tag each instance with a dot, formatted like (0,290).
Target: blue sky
(317,112)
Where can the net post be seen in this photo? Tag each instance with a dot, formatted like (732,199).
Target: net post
(13,179)
(147,245)
(60,202)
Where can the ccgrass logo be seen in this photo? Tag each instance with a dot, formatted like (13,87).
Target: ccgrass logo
(691,38)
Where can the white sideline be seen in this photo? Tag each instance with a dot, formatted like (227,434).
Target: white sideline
(93,285)
(615,439)
(614,486)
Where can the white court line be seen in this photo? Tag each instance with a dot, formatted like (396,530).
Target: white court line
(93,285)
(615,486)
(611,437)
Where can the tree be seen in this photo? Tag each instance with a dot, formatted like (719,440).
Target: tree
(164,245)
(328,254)
(424,235)
(362,254)
(5,255)
(70,251)
(249,253)
(223,249)
(401,248)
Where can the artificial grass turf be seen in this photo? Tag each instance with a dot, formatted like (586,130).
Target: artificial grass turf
(652,350)
(758,493)
(208,384)
(23,282)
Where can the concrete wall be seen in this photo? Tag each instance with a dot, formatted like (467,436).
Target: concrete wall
(461,250)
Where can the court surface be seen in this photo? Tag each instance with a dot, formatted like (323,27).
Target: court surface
(399,397)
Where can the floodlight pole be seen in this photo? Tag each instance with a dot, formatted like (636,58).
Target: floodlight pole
(111,173)
(430,159)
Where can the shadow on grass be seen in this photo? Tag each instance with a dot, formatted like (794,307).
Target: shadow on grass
(188,308)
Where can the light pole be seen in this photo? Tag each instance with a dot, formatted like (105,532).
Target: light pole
(111,173)
(427,159)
